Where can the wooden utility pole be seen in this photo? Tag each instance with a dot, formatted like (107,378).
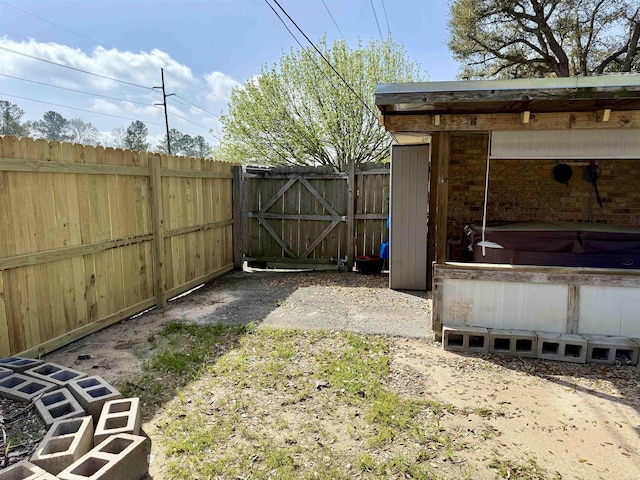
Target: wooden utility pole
(164,104)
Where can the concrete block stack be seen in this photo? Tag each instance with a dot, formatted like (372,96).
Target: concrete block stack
(561,347)
(94,433)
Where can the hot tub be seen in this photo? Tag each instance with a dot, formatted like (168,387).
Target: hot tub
(568,244)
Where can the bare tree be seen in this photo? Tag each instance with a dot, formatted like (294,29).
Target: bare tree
(538,38)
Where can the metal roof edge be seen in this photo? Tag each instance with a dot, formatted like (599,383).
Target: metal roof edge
(600,81)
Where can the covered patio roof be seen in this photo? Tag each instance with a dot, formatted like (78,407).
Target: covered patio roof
(578,94)
(607,101)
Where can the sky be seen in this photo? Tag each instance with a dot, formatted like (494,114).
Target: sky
(206,47)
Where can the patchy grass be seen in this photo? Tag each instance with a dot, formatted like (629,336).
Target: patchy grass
(287,404)
(509,469)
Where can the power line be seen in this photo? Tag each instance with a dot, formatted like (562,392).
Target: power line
(74,68)
(74,90)
(386,19)
(197,107)
(75,108)
(334,20)
(54,24)
(375,15)
(325,59)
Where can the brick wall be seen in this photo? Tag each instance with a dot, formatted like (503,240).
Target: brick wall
(521,190)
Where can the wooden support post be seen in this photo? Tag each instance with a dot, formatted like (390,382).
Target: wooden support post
(431,216)
(573,309)
(157,220)
(244,213)
(441,149)
(436,310)
(351,215)
(238,240)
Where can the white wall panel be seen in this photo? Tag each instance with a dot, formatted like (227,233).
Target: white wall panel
(609,311)
(508,305)
(566,144)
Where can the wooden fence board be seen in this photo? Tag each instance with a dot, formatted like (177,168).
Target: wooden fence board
(77,236)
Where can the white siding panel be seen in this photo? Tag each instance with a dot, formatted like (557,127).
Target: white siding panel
(609,311)
(566,144)
(506,305)
(409,208)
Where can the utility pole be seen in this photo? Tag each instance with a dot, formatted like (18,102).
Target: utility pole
(164,103)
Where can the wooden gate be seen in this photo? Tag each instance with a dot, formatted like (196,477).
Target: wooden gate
(313,217)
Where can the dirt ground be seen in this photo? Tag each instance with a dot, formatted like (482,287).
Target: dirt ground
(582,421)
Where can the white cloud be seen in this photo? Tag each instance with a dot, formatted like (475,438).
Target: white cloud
(220,86)
(209,92)
(141,68)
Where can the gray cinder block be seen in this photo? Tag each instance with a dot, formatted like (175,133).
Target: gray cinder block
(119,457)
(65,442)
(611,350)
(522,343)
(562,347)
(19,364)
(25,471)
(58,405)
(54,373)
(92,393)
(23,388)
(462,338)
(118,416)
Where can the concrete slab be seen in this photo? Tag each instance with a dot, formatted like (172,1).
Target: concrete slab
(65,442)
(54,373)
(119,457)
(23,388)
(562,347)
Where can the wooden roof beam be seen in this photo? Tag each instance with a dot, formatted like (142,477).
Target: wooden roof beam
(425,123)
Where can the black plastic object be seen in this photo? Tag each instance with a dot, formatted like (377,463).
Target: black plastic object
(369,264)
(562,173)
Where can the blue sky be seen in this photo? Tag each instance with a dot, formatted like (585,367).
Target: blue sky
(207,47)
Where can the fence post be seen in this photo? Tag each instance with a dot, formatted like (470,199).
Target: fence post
(238,230)
(351,215)
(157,222)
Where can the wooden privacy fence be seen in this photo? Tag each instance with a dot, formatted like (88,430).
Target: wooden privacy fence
(305,216)
(89,236)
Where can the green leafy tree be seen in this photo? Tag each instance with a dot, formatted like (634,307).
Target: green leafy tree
(11,119)
(184,144)
(539,38)
(135,137)
(299,112)
(53,126)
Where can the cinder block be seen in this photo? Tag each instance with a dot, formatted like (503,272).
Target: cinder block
(92,393)
(562,347)
(19,364)
(54,373)
(522,343)
(58,405)
(611,350)
(120,457)
(65,442)
(461,338)
(25,471)
(23,388)
(118,416)
(5,372)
